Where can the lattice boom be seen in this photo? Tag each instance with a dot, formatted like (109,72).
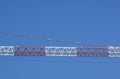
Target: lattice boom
(109,51)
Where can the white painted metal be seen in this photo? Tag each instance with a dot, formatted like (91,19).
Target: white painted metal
(60,51)
(114,51)
(6,50)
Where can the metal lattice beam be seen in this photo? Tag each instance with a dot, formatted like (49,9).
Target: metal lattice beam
(6,50)
(109,51)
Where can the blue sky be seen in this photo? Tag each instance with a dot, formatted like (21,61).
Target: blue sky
(87,21)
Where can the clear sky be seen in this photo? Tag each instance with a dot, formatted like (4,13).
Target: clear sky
(87,21)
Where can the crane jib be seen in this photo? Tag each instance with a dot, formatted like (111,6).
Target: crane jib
(109,51)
